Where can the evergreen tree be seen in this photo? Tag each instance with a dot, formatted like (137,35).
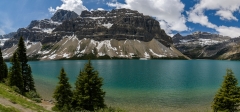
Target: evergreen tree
(227,98)
(88,94)
(27,76)
(63,94)
(3,68)
(15,74)
(30,82)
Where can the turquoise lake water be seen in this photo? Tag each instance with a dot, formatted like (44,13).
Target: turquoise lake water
(145,85)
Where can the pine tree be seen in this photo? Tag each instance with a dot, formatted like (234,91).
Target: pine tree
(3,68)
(63,94)
(30,82)
(27,76)
(15,74)
(88,94)
(227,98)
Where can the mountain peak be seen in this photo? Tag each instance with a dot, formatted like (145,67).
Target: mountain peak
(178,35)
(62,15)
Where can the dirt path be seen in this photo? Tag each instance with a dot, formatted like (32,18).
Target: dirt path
(6,102)
(46,104)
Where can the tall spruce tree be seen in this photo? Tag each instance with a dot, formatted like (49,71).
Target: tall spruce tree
(3,68)
(27,76)
(15,74)
(63,94)
(30,86)
(88,94)
(227,98)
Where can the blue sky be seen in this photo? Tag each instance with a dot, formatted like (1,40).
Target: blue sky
(183,16)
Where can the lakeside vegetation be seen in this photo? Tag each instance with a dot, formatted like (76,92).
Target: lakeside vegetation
(7,109)
(88,94)
(19,79)
(19,75)
(227,98)
(9,93)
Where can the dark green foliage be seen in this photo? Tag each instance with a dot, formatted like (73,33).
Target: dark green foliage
(88,56)
(88,94)
(16,89)
(29,80)
(33,95)
(25,68)
(63,94)
(3,68)
(227,98)
(15,75)
(46,47)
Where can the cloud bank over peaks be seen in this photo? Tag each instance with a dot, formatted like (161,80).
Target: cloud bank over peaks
(72,5)
(224,9)
(168,12)
(229,31)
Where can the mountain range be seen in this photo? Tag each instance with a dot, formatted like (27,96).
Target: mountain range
(119,33)
(204,45)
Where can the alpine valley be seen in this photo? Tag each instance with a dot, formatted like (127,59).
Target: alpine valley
(120,33)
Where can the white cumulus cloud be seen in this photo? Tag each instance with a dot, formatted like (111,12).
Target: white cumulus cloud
(226,15)
(100,9)
(168,12)
(72,5)
(199,17)
(224,9)
(229,31)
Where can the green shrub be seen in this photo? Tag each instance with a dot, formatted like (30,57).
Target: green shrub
(38,100)
(16,89)
(33,95)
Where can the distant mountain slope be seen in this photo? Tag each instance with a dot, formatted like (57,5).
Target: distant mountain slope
(71,46)
(120,33)
(203,45)
(4,38)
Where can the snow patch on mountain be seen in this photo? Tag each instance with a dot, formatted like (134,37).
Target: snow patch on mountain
(48,30)
(108,25)
(95,17)
(65,55)
(2,41)
(158,55)
(146,55)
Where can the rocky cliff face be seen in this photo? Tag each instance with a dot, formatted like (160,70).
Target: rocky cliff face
(120,33)
(203,45)
(119,24)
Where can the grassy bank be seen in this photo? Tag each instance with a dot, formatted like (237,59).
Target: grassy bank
(7,93)
(7,109)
